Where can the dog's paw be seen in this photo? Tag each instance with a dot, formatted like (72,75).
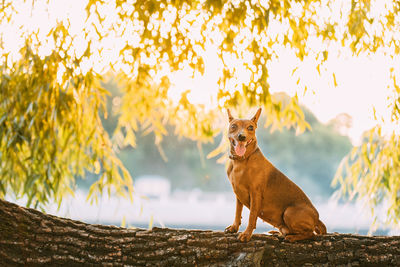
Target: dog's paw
(291,238)
(298,237)
(232,228)
(244,236)
(276,233)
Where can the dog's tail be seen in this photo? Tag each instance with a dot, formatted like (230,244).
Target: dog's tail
(320,228)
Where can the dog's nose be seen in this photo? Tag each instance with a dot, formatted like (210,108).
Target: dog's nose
(241,137)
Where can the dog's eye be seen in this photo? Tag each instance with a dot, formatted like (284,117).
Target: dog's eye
(233,127)
(250,128)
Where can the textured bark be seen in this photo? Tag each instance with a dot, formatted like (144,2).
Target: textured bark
(29,237)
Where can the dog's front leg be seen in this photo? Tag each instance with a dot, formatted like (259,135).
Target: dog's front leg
(238,218)
(255,205)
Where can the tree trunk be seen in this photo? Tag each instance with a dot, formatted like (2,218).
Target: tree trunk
(29,237)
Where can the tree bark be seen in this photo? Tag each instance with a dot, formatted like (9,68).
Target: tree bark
(29,237)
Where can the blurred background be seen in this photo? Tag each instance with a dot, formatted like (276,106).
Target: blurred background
(97,96)
(180,187)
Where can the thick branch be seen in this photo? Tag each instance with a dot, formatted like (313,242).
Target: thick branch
(29,237)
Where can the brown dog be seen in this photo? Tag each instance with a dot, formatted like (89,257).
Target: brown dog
(262,188)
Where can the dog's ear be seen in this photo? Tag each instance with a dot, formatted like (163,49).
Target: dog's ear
(229,115)
(255,118)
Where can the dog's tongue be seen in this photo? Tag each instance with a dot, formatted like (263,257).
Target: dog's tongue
(240,149)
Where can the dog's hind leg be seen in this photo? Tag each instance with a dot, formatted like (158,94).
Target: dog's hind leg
(299,236)
(283,231)
(320,228)
(300,222)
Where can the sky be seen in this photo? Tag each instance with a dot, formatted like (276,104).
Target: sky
(361,86)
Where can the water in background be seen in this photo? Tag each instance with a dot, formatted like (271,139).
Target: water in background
(155,206)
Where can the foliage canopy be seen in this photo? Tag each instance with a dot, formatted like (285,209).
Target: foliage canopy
(51,94)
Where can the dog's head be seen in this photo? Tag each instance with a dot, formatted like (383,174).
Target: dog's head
(242,134)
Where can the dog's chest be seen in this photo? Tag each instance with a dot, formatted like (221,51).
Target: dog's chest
(240,184)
